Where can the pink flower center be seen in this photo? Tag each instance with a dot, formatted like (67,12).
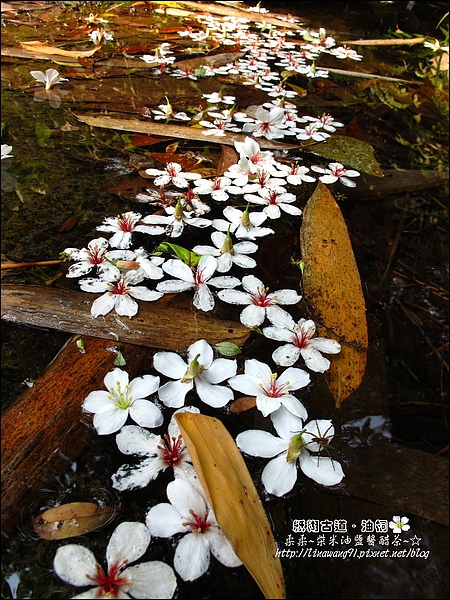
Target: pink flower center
(274,390)
(261,299)
(96,255)
(171,170)
(198,524)
(110,584)
(126,223)
(263,177)
(338,171)
(120,288)
(273,197)
(301,338)
(171,449)
(199,277)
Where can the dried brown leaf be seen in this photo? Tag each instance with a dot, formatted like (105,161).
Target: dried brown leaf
(234,499)
(332,284)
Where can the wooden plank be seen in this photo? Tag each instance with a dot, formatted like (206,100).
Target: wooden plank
(42,432)
(155,325)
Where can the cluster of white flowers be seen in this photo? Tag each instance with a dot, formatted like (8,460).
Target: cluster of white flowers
(118,266)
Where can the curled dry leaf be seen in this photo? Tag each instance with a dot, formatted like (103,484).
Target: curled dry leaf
(233,497)
(41,48)
(71,520)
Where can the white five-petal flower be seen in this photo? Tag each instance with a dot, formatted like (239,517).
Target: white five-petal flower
(172,174)
(200,371)
(123,398)
(335,172)
(96,255)
(244,224)
(118,293)
(197,278)
(270,389)
(77,566)
(123,227)
(301,342)
(189,513)
(260,304)
(157,453)
(295,442)
(228,253)
(399,524)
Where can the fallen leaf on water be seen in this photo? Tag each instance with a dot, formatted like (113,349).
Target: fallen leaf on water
(233,497)
(242,404)
(350,152)
(71,520)
(331,283)
(55,51)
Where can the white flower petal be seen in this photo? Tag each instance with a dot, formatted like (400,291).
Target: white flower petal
(294,406)
(164,520)
(286,355)
(321,469)
(253,316)
(221,548)
(75,565)
(146,414)
(213,395)
(130,477)
(128,543)
(110,421)
(137,441)
(260,443)
(220,369)
(192,556)
(279,476)
(285,423)
(153,579)
(173,393)
(203,298)
(234,297)
(170,364)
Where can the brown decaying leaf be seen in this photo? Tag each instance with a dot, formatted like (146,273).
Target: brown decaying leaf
(233,497)
(68,224)
(242,404)
(332,284)
(55,51)
(71,520)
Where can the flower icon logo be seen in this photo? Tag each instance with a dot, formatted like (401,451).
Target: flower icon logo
(399,524)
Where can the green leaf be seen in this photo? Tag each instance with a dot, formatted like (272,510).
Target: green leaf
(120,360)
(227,349)
(187,256)
(350,152)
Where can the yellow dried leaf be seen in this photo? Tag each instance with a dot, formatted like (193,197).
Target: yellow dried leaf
(71,520)
(332,284)
(233,497)
(55,51)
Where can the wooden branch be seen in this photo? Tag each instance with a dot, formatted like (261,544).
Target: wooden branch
(155,325)
(401,478)
(369,187)
(177,131)
(42,431)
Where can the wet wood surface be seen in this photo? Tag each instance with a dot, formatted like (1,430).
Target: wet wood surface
(156,325)
(42,432)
